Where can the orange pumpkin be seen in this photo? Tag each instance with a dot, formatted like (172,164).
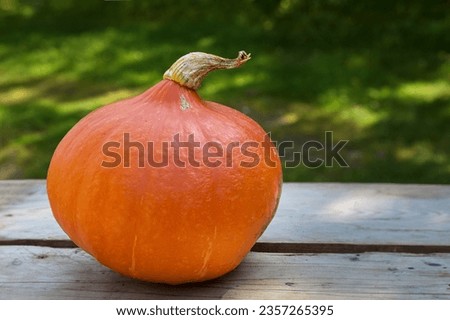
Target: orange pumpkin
(166,187)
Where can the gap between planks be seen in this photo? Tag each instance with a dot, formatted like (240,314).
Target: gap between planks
(271,247)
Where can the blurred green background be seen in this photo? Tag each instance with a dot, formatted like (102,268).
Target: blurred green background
(376,73)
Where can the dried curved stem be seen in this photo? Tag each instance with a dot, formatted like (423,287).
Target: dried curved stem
(191,68)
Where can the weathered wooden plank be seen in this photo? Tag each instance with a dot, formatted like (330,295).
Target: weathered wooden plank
(25,212)
(49,273)
(362,213)
(308,213)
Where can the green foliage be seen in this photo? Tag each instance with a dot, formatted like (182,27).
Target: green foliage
(375,73)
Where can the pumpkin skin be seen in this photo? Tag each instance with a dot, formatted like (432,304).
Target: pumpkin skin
(168,224)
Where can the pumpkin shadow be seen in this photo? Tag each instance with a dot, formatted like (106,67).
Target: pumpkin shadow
(116,286)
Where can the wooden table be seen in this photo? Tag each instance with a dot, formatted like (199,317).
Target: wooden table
(327,241)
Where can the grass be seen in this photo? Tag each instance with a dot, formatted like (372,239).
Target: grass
(376,75)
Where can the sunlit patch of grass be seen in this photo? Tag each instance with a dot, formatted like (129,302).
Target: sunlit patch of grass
(91,103)
(421,153)
(214,85)
(97,56)
(360,115)
(424,91)
(17,94)
(288,118)
(416,92)
(347,110)
(64,94)
(24,63)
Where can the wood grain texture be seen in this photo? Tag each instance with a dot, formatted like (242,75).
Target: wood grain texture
(49,273)
(37,260)
(362,214)
(308,213)
(25,212)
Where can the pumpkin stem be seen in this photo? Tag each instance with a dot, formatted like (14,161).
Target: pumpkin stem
(191,68)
